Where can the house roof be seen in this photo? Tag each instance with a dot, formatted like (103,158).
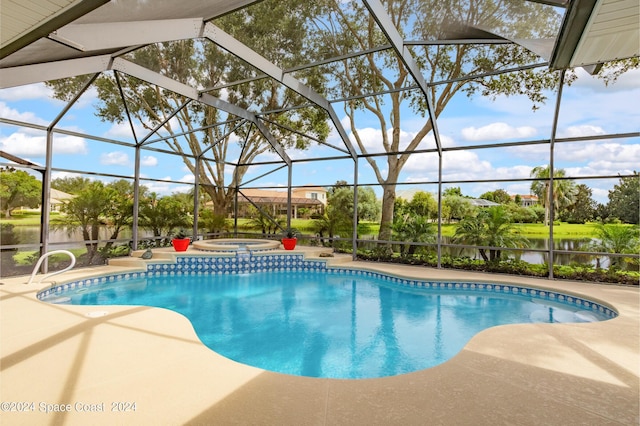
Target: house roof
(264,196)
(59,197)
(479,202)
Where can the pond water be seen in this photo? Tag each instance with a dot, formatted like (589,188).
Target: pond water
(63,240)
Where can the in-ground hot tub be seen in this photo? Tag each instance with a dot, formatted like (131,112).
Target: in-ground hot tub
(236,244)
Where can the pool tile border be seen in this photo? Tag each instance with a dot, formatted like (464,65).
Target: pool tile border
(249,263)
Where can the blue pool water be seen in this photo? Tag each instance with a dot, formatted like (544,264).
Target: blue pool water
(329,325)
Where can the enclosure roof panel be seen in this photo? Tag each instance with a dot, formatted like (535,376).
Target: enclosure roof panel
(593,31)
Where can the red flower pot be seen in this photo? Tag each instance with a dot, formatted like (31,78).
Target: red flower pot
(289,243)
(180,244)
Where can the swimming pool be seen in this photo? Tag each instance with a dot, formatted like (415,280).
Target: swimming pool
(322,322)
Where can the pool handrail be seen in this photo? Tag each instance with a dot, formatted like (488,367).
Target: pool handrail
(44,256)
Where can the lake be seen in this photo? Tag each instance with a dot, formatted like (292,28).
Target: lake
(61,239)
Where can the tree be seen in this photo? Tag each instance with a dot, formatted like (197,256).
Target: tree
(344,30)
(583,207)
(453,191)
(264,223)
(624,199)
(18,189)
(88,210)
(563,190)
(411,221)
(70,184)
(602,212)
(340,200)
(521,214)
(499,196)
(204,65)
(412,228)
(120,213)
(212,222)
(456,208)
(162,215)
(616,238)
(368,205)
(491,227)
(424,204)
(338,216)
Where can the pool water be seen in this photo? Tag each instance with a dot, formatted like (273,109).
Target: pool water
(325,325)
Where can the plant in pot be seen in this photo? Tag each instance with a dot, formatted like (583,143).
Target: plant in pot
(180,241)
(290,239)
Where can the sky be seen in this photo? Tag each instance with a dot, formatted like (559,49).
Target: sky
(588,108)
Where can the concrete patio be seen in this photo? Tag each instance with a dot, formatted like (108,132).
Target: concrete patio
(145,366)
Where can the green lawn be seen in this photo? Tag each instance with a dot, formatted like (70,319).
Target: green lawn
(27,218)
(566,230)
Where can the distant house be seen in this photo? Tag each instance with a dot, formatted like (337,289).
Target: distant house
(58,198)
(311,192)
(481,202)
(526,200)
(305,201)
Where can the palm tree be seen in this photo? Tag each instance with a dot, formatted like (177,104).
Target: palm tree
(563,190)
(89,210)
(162,215)
(335,222)
(411,228)
(490,227)
(264,223)
(616,238)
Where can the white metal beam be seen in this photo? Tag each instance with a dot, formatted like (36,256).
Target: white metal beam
(153,77)
(37,73)
(111,35)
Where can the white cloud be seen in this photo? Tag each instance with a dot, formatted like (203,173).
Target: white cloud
(581,130)
(161,188)
(149,161)
(606,158)
(40,92)
(346,123)
(456,165)
(30,145)
(372,139)
(627,81)
(114,158)
(61,175)
(123,130)
(188,178)
(13,114)
(28,92)
(600,194)
(497,131)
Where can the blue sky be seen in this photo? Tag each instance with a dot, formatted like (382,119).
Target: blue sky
(588,108)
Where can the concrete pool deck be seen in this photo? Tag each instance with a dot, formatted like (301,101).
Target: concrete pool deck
(95,364)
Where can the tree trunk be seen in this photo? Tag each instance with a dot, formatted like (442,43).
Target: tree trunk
(114,236)
(484,255)
(547,207)
(386,221)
